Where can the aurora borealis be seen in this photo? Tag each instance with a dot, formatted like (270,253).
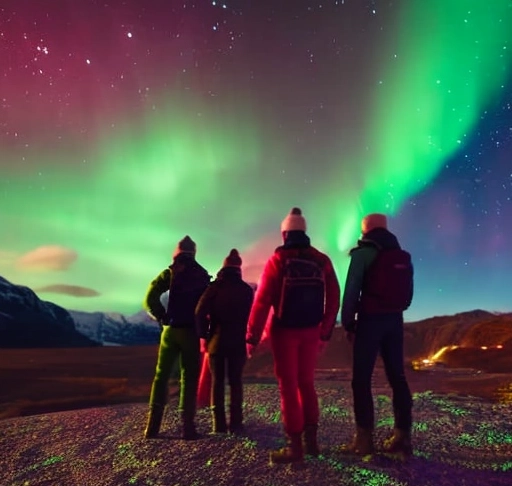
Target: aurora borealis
(126,126)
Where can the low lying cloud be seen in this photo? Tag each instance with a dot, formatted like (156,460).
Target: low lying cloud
(73,290)
(47,258)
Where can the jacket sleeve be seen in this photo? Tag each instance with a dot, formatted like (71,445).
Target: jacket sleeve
(265,295)
(360,260)
(203,310)
(332,301)
(152,299)
(249,302)
(411,292)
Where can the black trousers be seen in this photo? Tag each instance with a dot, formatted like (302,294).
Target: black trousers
(384,334)
(230,363)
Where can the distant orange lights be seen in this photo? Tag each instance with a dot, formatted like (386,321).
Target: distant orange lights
(435,361)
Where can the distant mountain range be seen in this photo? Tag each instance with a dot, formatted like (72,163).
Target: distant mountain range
(110,328)
(29,322)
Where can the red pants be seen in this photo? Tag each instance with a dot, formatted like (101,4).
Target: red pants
(205,383)
(295,356)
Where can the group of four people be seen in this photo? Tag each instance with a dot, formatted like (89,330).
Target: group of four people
(296,304)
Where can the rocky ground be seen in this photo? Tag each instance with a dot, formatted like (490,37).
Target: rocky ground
(459,440)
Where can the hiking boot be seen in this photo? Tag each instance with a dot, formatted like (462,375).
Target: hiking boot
(219,423)
(362,443)
(156,413)
(237,429)
(292,452)
(219,429)
(190,432)
(399,443)
(309,440)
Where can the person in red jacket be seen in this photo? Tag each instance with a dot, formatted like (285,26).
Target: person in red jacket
(303,321)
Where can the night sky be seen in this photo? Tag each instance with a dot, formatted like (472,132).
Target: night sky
(126,125)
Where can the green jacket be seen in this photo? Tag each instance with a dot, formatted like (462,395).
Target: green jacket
(158,286)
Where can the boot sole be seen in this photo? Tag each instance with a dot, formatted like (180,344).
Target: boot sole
(351,452)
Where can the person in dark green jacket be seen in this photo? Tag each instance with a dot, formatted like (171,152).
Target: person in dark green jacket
(185,280)
(221,319)
(373,323)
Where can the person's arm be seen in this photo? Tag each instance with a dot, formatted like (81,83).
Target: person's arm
(332,301)
(411,290)
(202,312)
(353,287)
(155,290)
(267,289)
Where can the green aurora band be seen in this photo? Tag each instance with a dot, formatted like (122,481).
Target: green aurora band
(444,66)
(187,168)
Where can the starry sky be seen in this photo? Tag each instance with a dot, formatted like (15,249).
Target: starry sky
(126,125)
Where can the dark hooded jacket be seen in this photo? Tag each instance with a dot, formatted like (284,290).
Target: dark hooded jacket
(223,311)
(361,257)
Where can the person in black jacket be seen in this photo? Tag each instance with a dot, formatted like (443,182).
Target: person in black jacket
(374,323)
(221,319)
(186,280)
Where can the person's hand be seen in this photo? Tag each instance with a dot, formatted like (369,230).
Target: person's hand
(322,345)
(350,336)
(249,348)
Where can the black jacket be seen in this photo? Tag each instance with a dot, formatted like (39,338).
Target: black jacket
(223,311)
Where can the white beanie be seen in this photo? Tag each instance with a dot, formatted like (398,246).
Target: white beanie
(372,221)
(294,221)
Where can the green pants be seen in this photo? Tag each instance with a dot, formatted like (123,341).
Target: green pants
(182,344)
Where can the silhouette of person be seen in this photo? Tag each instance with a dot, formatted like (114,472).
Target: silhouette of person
(221,319)
(186,280)
(302,322)
(374,324)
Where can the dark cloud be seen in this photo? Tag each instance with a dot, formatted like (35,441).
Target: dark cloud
(73,290)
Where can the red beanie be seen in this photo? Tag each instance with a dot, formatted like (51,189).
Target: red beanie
(186,245)
(233,259)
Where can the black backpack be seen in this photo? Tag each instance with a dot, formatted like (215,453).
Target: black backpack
(188,282)
(302,301)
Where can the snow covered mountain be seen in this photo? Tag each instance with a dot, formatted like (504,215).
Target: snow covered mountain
(29,322)
(110,328)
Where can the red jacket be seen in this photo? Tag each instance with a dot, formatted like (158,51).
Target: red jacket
(268,293)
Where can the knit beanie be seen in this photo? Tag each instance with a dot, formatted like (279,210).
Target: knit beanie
(233,259)
(294,221)
(186,245)
(372,221)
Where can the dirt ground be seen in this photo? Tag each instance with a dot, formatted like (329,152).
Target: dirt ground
(37,381)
